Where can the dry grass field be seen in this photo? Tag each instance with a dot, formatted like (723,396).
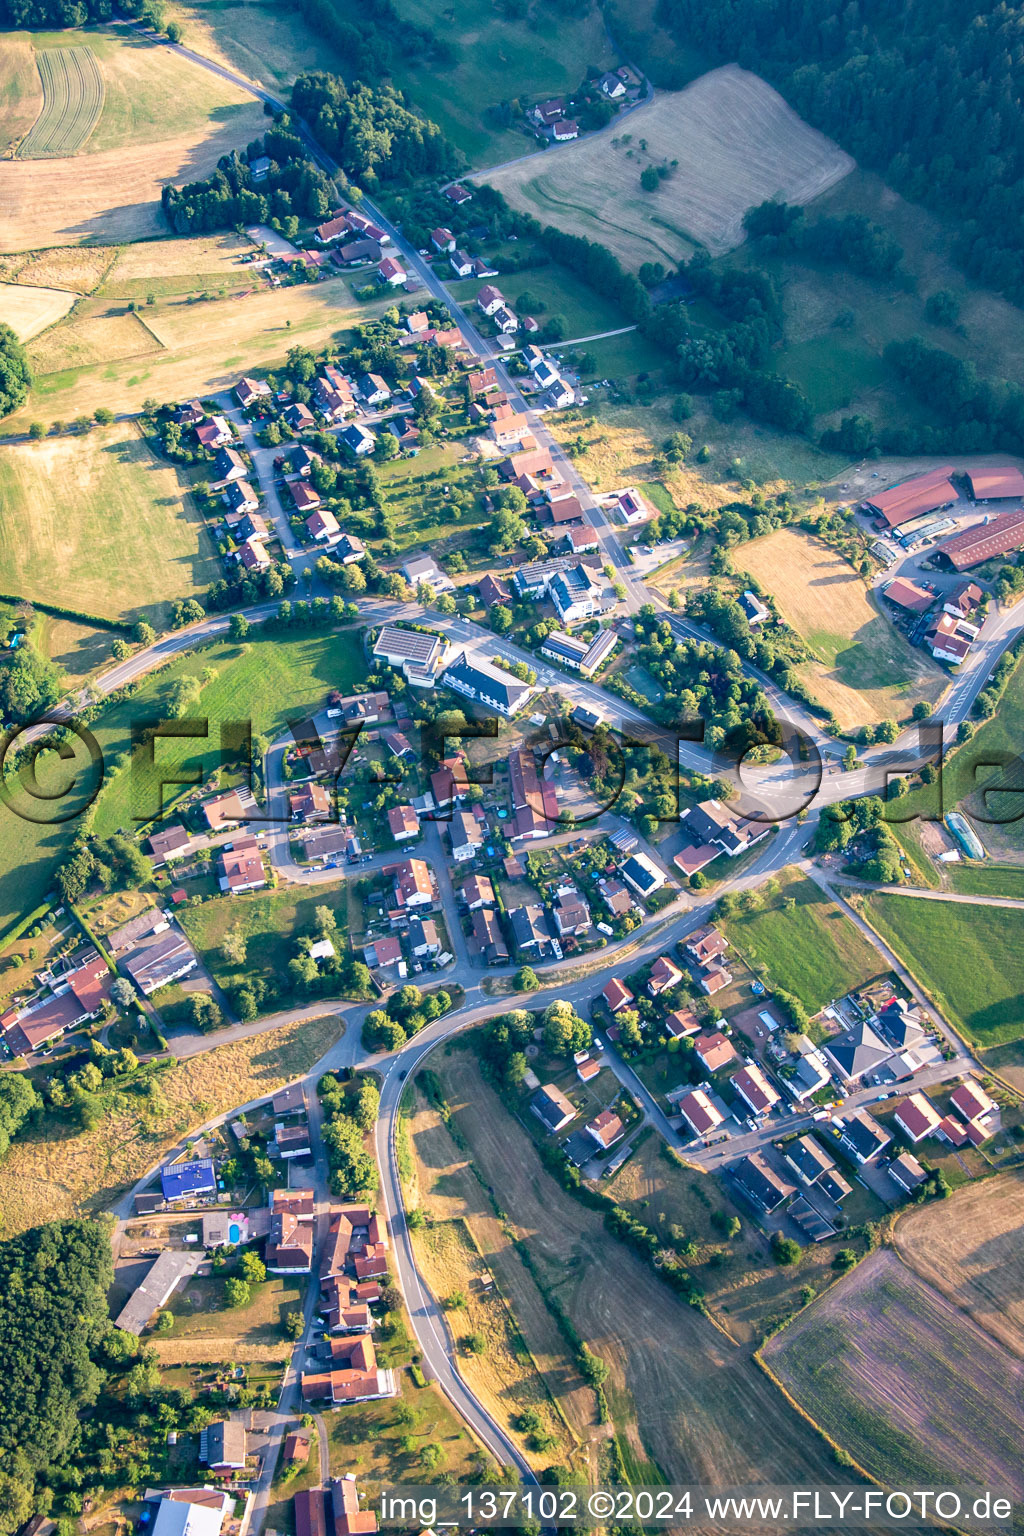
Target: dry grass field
(112,195)
(58,1173)
(106,356)
(98,332)
(689,1405)
(79,269)
(736,143)
(31,310)
(909,1385)
(970,1248)
(21,94)
(205,1329)
(172,267)
(119,510)
(72,103)
(462,1239)
(865,670)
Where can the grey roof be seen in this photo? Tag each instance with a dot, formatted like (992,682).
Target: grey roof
(529,925)
(808,1157)
(858,1050)
(551,1106)
(864,1134)
(760,1182)
(163,1275)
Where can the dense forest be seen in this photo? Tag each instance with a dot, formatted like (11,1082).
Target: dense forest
(15,376)
(926,92)
(53,1320)
(294,188)
(372,41)
(369,130)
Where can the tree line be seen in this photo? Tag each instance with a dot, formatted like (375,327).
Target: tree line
(294,188)
(927,93)
(370,131)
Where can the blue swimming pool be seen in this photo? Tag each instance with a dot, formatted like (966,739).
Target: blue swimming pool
(234,1232)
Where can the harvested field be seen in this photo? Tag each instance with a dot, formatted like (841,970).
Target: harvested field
(178,266)
(464,1238)
(77,268)
(113,195)
(865,669)
(72,102)
(120,511)
(98,332)
(736,142)
(189,348)
(970,1248)
(689,1405)
(31,310)
(910,1386)
(151,92)
(57,1172)
(21,95)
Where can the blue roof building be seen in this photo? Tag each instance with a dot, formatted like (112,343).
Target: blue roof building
(179,1180)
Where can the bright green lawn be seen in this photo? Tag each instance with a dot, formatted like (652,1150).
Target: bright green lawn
(497,60)
(585,312)
(623,357)
(270,920)
(267,682)
(813,950)
(971,960)
(414,492)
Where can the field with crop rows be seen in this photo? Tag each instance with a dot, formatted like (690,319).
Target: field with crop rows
(72,102)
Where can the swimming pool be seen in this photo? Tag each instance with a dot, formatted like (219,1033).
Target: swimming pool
(234,1232)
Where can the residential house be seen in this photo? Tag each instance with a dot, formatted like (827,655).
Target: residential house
(412,885)
(861,1136)
(354,1377)
(423,938)
(391,273)
(611,86)
(490,299)
(349,550)
(530,932)
(461,264)
(857,1052)
(442,239)
(425,568)
(374,389)
(387,950)
(478,891)
(357,439)
(907,1172)
(252,556)
(188,1180)
(950,638)
(700,1114)
(617,995)
(293,1140)
(506,321)
(228,466)
(972,1103)
(565,130)
(643,874)
(222,1446)
(309,801)
(403,822)
(249,391)
(488,937)
(755,1090)
(714,823)
(298,416)
(241,867)
(466,836)
(615,896)
(571,914)
(457,194)
(664,974)
(763,1187)
(323,527)
(808,1159)
(190,413)
(580,541)
(239,496)
(552,1108)
(587,1068)
(215,433)
(629,506)
(605,1129)
(917,1117)
(681,1024)
(706,944)
(755,612)
(163,845)
(715,1051)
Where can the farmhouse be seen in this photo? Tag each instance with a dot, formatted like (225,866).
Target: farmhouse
(915,497)
(699,1112)
(155,1289)
(319,1510)
(355,1376)
(163,959)
(950,638)
(713,822)
(552,1108)
(289,1248)
(908,595)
